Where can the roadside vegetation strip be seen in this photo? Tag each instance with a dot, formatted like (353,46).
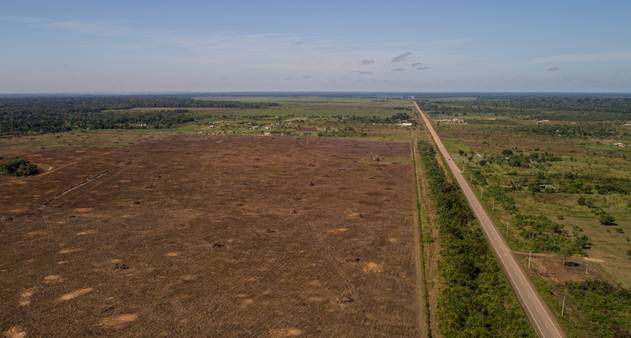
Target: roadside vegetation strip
(549,190)
(475,299)
(425,306)
(431,244)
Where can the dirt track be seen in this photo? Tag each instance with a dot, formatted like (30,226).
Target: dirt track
(212,236)
(541,317)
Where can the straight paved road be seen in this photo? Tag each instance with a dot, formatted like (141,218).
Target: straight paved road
(540,316)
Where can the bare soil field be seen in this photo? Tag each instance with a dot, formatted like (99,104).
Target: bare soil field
(212,236)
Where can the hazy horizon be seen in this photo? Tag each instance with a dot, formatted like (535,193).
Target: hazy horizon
(300,46)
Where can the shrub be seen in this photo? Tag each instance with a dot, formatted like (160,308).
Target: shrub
(605,307)
(545,235)
(581,201)
(18,167)
(607,220)
(583,242)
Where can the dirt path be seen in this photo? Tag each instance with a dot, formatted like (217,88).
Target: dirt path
(540,316)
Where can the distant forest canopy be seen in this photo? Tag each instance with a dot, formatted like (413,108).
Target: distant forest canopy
(557,107)
(42,114)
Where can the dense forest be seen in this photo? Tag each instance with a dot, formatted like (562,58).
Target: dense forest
(476,299)
(41,114)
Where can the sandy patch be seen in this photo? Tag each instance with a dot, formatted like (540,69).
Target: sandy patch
(68,251)
(288,332)
(172,254)
(53,279)
(18,210)
(372,267)
(117,322)
(337,230)
(15,331)
(25,296)
(75,294)
(36,233)
(594,260)
(83,210)
(188,278)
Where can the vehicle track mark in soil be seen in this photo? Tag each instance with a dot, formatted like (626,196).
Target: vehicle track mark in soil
(89,180)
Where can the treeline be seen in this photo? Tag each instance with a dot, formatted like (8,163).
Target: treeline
(19,115)
(581,130)
(394,118)
(558,107)
(524,160)
(475,299)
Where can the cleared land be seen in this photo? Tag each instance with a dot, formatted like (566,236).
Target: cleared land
(186,236)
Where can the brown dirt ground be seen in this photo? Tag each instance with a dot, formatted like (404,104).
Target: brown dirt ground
(219,236)
(560,270)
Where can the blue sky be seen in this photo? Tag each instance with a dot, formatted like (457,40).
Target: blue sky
(298,45)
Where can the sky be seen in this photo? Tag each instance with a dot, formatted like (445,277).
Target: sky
(297,45)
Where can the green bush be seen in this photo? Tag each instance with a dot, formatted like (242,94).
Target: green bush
(543,235)
(605,306)
(18,167)
(500,195)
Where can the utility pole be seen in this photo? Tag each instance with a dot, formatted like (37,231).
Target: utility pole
(563,307)
(529,257)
